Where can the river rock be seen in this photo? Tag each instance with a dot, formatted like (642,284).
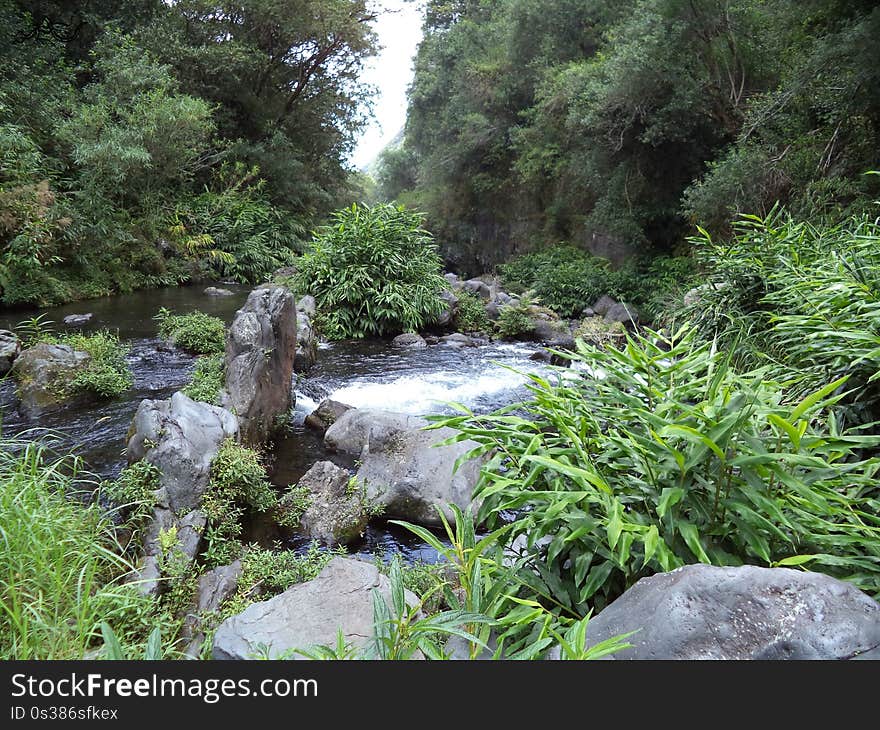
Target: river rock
(337,514)
(457,339)
(75,319)
(747,612)
(325,415)
(308,614)
(10,348)
(260,350)
(180,437)
(43,374)
(624,313)
(453,279)
(402,469)
(216,291)
(553,333)
(450,308)
(306,338)
(214,588)
(478,287)
(603,304)
(189,531)
(409,340)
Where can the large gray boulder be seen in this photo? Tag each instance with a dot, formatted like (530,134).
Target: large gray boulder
(624,313)
(707,612)
(44,373)
(214,587)
(337,514)
(306,337)
(603,304)
(260,350)
(10,348)
(308,614)
(180,437)
(325,415)
(478,287)
(402,467)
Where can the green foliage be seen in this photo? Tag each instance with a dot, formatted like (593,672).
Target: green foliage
(208,379)
(471,313)
(238,484)
(514,321)
(113,650)
(60,566)
(134,491)
(672,457)
(373,271)
(107,373)
(34,330)
(799,298)
(197,332)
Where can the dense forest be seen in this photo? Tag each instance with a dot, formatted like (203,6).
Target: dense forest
(618,125)
(150,144)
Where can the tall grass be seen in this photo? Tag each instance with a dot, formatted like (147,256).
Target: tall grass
(60,572)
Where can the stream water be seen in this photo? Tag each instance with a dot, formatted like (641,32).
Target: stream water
(360,373)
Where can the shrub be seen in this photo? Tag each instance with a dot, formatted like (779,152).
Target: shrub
(471,313)
(373,271)
(107,373)
(60,568)
(672,457)
(197,332)
(800,298)
(238,484)
(514,320)
(208,379)
(134,491)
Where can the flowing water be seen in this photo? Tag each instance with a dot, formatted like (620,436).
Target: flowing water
(364,374)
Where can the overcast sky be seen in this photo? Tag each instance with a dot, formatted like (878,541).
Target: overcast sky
(399,28)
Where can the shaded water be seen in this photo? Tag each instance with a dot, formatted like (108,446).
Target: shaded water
(364,374)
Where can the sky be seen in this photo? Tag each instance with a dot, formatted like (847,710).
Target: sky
(399,27)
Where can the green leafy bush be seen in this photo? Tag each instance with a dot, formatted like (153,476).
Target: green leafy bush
(107,373)
(373,271)
(471,313)
(800,298)
(671,457)
(134,491)
(208,379)
(514,321)
(197,332)
(238,484)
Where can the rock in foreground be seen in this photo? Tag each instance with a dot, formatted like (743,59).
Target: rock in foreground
(402,469)
(707,612)
(10,348)
(308,614)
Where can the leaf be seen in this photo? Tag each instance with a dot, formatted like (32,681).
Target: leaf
(112,648)
(651,539)
(576,473)
(813,399)
(154,646)
(669,497)
(794,560)
(692,539)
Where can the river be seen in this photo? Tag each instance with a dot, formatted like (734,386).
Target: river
(361,373)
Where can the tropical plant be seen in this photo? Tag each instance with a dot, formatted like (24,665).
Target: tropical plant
(655,454)
(373,271)
(208,379)
(197,332)
(470,316)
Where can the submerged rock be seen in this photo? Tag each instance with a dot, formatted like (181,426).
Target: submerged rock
(747,612)
(75,319)
(44,374)
(260,350)
(337,514)
(215,291)
(325,415)
(308,614)
(10,348)
(402,468)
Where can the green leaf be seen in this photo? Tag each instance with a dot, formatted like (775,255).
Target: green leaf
(692,539)
(794,560)
(812,400)
(112,648)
